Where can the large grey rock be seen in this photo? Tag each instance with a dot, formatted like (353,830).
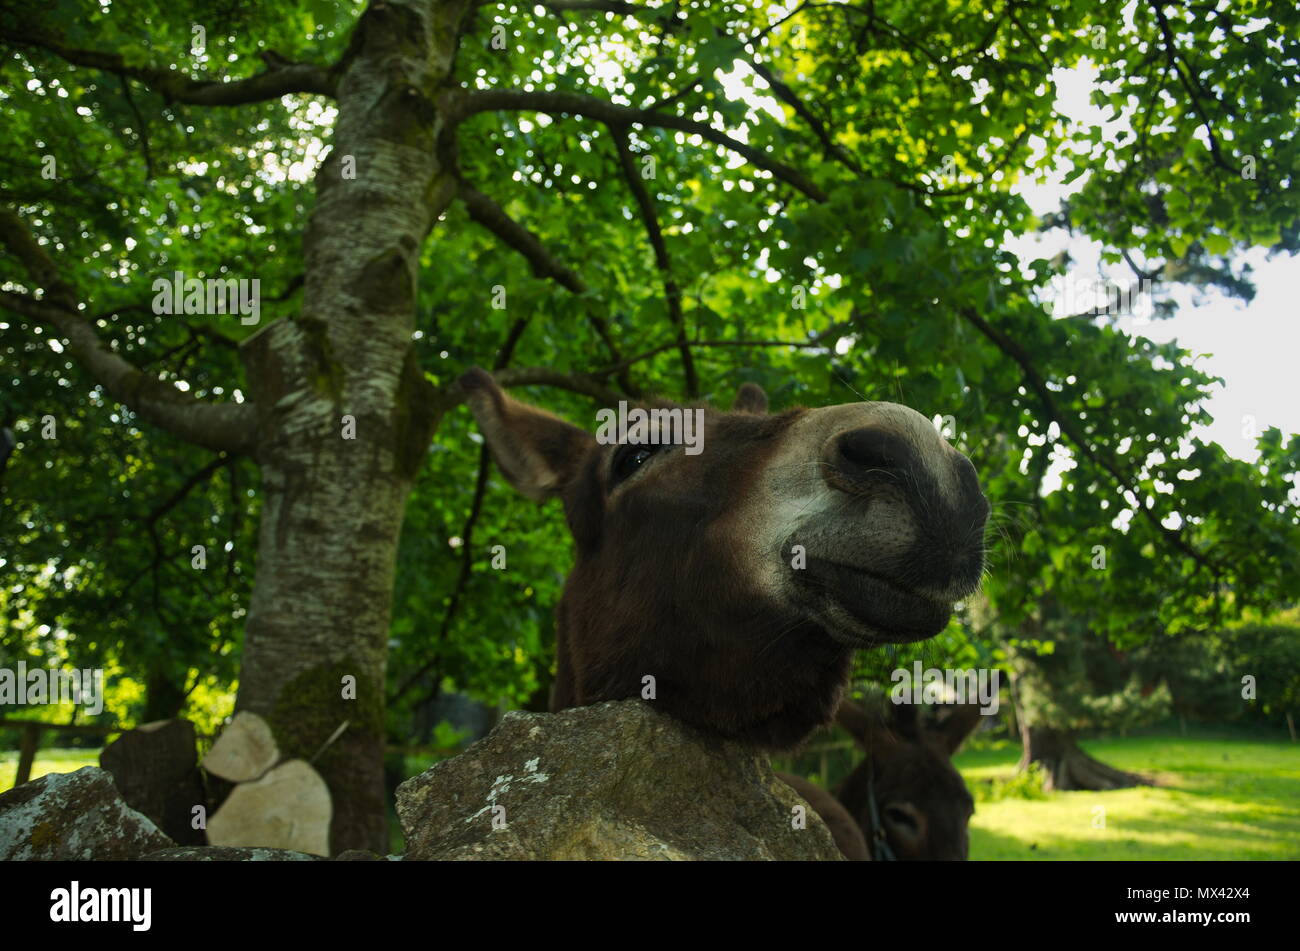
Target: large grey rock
(74,816)
(156,769)
(213,853)
(288,808)
(616,780)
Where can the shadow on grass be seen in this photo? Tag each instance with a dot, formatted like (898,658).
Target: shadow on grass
(1215,797)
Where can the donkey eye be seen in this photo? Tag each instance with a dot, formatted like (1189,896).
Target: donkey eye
(901,817)
(628,459)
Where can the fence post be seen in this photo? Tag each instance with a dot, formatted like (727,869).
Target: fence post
(27,752)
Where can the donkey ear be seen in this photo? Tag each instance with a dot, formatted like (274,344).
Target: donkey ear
(957,725)
(750,398)
(539,453)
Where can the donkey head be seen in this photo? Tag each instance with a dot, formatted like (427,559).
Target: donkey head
(907,784)
(733,583)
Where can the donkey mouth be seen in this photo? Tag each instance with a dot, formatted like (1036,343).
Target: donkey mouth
(877,610)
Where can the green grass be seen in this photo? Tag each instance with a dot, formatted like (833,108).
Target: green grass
(47,761)
(1218,797)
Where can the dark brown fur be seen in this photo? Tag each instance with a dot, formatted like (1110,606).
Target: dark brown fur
(843,827)
(657,577)
(659,589)
(923,803)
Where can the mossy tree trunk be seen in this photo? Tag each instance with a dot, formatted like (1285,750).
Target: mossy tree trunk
(1048,690)
(1065,764)
(338,439)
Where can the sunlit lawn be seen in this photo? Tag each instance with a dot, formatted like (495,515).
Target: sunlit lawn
(1218,798)
(47,761)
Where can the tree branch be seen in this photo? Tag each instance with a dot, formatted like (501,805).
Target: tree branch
(217,426)
(619,7)
(1171,55)
(149,174)
(672,293)
(485,210)
(492,216)
(544,376)
(280,77)
(145,306)
(195,480)
(504,354)
(462,576)
(791,99)
(559,103)
(1035,381)
(812,343)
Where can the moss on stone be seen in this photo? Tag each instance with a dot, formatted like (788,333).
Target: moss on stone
(43,834)
(311,707)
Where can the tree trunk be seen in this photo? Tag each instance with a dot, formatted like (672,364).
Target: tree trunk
(341,429)
(1066,766)
(164,698)
(319,615)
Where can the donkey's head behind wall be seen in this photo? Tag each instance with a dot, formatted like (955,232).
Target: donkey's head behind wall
(741,575)
(906,794)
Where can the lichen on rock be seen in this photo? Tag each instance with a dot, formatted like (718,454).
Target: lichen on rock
(74,816)
(616,780)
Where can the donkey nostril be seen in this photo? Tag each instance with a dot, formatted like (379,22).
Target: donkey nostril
(870,449)
(979,505)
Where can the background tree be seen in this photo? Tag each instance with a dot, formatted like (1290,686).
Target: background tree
(1263,661)
(1067,680)
(602,199)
